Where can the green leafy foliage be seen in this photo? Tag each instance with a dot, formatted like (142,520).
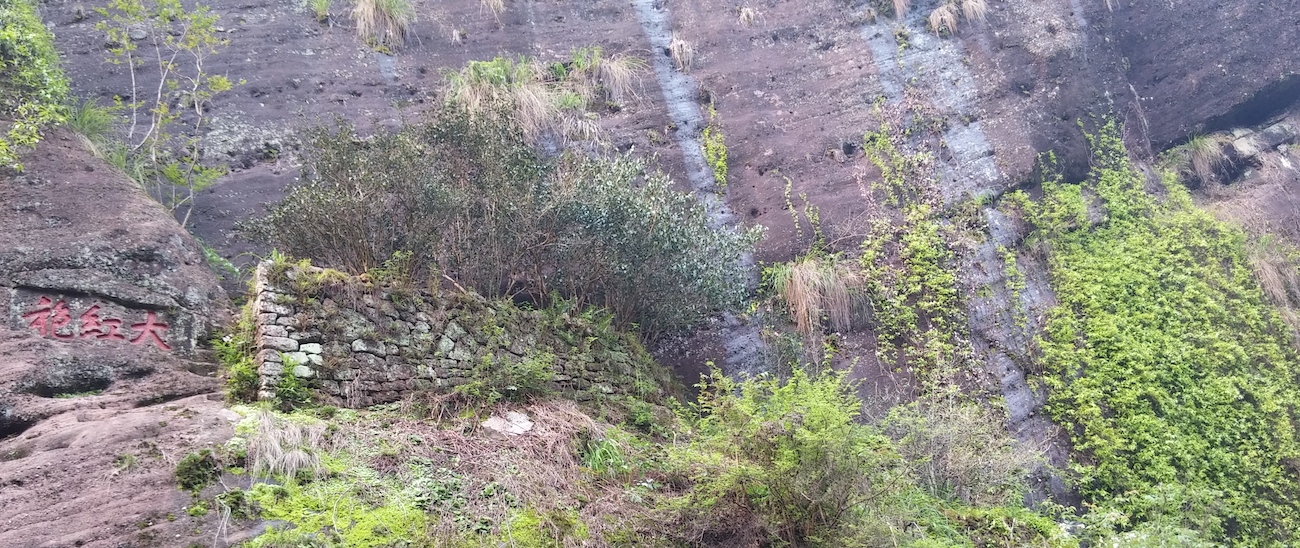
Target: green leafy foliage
(794,457)
(469,198)
(197,470)
(168,166)
(1175,378)
(513,380)
(715,150)
(235,352)
(909,269)
(33,88)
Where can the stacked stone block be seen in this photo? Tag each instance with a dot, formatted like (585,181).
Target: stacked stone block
(361,345)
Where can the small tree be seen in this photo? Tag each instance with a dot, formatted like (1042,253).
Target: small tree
(170,166)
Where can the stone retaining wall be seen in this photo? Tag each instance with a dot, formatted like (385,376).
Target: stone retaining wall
(362,344)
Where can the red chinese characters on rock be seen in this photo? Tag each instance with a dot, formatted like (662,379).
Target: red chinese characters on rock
(51,318)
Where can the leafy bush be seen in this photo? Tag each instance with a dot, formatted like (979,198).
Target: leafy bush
(513,380)
(235,351)
(1165,362)
(960,449)
(469,198)
(33,88)
(197,470)
(791,453)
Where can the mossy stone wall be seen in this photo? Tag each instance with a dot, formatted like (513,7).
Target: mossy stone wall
(361,343)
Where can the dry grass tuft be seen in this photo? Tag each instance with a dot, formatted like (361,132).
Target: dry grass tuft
(1273,262)
(975,10)
(619,74)
(748,16)
(683,53)
(497,7)
(901,7)
(944,19)
(1202,156)
(285,449)
(813,288)
(384,23)
(516,84)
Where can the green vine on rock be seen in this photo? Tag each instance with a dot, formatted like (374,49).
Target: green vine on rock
(1165,362)
(715,150)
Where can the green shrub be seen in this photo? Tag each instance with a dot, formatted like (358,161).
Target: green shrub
(715,150)
(468,197)
(235,351)
(291,392)
(961,450)
(1165,362)
(493,380)
(789,452)
(33,88)
(197,470)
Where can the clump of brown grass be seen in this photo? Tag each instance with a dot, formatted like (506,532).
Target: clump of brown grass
(497,7)
(817,287)
(901,7)
(944,19)
(1274,264)
(682,52)
(1202,155)
(286,449)
(748,16)
(384,23)
(974,10)
(619,75)
(513,83)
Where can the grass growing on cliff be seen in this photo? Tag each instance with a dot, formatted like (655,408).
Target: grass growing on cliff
(715,150)
(1174,376)
(33,88)
(383,24)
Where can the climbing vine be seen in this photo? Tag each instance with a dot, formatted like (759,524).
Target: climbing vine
(1165,362)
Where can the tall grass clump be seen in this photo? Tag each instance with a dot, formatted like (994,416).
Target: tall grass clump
(1201,156)
(943,19)
(555,99)
(383,23)
(682,52)
(284,449)
(817,289)
(92,123)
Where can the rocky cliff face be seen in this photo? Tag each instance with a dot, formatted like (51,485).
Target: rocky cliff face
(101,387)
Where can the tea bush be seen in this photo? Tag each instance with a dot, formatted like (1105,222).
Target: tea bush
(468,197)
